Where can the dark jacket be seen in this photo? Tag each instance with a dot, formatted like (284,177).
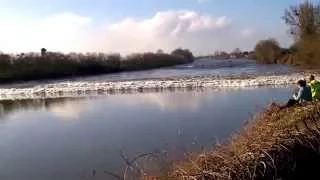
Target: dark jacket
(304,94)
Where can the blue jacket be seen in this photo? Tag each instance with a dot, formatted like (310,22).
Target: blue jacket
(304,94)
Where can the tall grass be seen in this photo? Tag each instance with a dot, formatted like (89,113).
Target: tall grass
(279,144)
(34,66)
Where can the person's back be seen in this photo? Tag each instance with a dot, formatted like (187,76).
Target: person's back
(304,94)
(315,89)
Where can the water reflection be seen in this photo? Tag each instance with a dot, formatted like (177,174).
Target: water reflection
(169,101)
(63,138)
(64,107)
(71,107)
(68,109)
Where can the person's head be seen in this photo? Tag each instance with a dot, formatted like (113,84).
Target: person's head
(312,78)
(302,83)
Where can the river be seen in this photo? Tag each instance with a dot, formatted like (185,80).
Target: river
(66,138)
(202,67)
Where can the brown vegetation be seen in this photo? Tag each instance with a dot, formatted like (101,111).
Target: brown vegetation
(308,54)
(303,19)
(35,66)
(278,144)
(304,23)
(267,51)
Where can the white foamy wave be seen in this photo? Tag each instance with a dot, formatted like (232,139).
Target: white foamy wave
(73,89)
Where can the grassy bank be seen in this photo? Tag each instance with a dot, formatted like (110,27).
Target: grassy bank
(277,145)
(34,66)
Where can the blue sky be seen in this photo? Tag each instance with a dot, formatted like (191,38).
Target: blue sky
(262,17)
(245,10)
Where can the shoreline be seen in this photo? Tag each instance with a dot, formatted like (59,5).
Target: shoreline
(85,88)
(276,144)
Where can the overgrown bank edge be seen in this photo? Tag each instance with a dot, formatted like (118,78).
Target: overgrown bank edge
(278,144)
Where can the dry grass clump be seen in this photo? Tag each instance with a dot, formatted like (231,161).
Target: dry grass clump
(279,144)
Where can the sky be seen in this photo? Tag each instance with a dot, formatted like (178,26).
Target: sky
(128,26)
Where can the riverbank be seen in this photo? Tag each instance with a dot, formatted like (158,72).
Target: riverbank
(52,65)
(79,88)
(278,144)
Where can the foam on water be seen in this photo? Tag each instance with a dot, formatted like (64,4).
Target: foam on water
(74,89)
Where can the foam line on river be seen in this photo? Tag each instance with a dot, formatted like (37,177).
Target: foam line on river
(73,89)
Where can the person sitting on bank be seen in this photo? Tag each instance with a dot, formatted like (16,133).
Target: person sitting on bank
(315,88)
(304,94)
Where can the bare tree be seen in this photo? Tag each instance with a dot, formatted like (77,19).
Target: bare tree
(303,19)
(43,51)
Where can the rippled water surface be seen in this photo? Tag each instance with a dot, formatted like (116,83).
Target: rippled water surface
(201,67)
(66,138)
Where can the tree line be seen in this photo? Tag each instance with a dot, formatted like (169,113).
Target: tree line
(304,27)
(45,65)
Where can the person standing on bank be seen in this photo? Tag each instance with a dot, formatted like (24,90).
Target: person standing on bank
(315,88)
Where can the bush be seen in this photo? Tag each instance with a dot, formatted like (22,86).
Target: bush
(151,60)
(185,53)
(267,51)
(53,65)
(304,23)
(309,52)
(33,66)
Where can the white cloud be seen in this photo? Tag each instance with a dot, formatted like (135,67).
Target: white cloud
(58,32)
(166,30)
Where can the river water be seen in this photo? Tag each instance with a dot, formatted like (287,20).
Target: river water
(202,67)
(66,138)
